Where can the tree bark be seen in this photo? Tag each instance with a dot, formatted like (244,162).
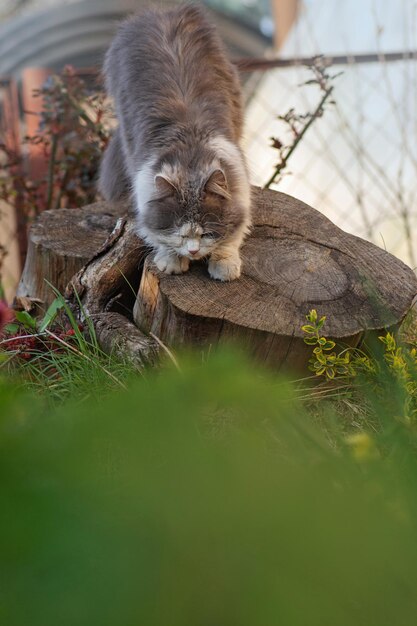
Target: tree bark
(104,290)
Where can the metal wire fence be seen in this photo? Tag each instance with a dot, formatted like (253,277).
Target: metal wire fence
(358,163)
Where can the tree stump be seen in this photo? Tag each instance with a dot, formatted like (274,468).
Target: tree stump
(295,260)
(60,243)
(93,256)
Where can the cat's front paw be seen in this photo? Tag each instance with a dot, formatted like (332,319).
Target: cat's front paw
(225,269)
(171,263)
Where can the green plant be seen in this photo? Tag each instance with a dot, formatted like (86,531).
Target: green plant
(402,363)
(202,497)
(398,365)
(325,362)
(57,357)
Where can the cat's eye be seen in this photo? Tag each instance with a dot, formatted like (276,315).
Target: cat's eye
(209,234)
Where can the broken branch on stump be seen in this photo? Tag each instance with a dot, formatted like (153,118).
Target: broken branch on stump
(104,290)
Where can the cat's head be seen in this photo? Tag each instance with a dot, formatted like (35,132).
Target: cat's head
(191,214)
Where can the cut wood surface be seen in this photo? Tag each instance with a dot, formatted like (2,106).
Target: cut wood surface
(295,260)
(60,243)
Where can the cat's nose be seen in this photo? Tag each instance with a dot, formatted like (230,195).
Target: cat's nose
(193,246)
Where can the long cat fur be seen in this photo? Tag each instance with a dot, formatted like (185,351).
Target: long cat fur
(177,147)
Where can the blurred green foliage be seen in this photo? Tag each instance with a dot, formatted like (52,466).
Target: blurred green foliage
(206,497)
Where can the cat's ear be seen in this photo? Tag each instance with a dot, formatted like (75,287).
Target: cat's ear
(217,184)
(164,187)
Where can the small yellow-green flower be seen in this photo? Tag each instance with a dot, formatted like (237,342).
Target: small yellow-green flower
(362,446)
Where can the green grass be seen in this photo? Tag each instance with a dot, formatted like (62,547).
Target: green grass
(213,493)
(73,369)
(69,375)
(59,359)
(206,496)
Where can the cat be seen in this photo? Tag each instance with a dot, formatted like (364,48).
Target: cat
(176,150)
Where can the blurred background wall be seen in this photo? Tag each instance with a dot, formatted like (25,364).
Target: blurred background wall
(52,33)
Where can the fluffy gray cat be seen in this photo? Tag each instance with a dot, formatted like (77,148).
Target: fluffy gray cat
(176,149)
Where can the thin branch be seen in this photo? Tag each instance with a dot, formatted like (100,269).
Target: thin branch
(20,337)
(284,160)
(57,203)
(51,167)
